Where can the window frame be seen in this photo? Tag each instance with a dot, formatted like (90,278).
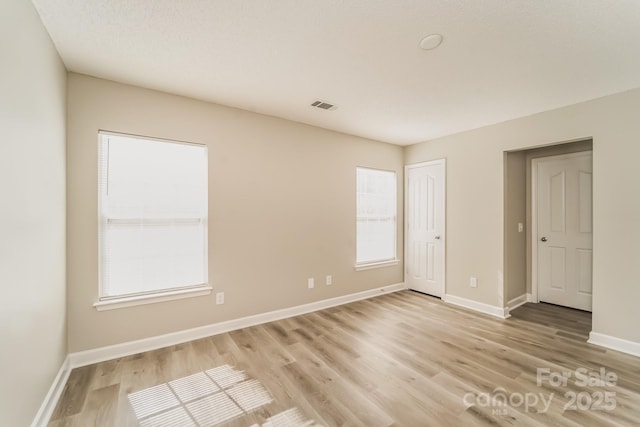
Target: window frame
(108,302)
(371,264)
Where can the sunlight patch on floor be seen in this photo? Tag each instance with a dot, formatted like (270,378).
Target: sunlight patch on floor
(207,399)
(204,399)
(288,418)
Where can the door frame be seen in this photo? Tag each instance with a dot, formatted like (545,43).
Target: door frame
(442,162)
(534,215)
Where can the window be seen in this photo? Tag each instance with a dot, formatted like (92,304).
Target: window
(376,216)
(153,217)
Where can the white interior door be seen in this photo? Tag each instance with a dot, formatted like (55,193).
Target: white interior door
(564,231)
(424,223)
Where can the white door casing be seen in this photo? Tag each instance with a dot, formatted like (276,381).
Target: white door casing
(562,230)
(425,227)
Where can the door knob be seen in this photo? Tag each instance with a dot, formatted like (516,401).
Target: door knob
(437,237)
(544,239)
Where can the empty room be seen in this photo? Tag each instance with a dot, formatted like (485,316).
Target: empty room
(319,213)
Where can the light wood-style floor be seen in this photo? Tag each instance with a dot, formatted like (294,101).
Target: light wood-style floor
(398,359)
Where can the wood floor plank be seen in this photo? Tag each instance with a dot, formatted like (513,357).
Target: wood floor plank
(75,392)
(402,359)
(70,421)
(332,411)
(101,406)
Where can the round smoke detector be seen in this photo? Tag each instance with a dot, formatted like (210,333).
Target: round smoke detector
(431,42)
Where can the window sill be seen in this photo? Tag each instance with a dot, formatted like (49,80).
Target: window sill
(360,267)
(116,303)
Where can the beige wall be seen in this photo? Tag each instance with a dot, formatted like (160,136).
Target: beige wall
(475,162)
(281,206)
(32,213)
(515,212)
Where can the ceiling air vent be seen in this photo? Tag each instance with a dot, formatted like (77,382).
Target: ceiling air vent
(324,105)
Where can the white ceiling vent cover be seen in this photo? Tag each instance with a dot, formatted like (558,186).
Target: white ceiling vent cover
(323,105)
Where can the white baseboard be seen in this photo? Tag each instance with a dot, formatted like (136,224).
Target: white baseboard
(101,354)
(517,302)
(530,298)
(491,310)
(614,343)
(51,399)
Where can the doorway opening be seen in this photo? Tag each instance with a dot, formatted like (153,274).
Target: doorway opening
(522,238)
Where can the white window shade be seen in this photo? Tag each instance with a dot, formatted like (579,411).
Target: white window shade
(376,216)
(153,216)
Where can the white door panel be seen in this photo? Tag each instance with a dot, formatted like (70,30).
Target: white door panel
(425,227)
(564,230)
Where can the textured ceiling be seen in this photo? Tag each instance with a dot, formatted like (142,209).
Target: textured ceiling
(499,59)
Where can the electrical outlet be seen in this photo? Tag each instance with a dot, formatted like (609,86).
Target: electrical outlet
(220,298)
(473,282)
(329,280)
(310,283)
(520,227)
